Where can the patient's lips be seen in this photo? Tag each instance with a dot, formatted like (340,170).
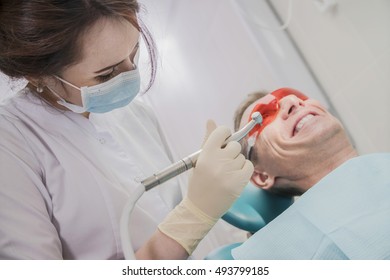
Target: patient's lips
(302,122)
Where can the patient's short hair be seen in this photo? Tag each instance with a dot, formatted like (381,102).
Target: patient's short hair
(250,99)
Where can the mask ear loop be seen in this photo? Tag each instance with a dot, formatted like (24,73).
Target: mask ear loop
(63,102)
(66,82)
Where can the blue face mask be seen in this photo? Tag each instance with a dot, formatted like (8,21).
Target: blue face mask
(115,93)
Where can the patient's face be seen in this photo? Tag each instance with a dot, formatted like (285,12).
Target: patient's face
(298,140)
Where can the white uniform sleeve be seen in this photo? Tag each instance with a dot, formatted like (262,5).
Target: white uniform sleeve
(26,230)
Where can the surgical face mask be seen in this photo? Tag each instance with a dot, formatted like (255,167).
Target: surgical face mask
(115,93)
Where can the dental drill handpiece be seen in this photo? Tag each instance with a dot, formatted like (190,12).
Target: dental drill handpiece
(190,161)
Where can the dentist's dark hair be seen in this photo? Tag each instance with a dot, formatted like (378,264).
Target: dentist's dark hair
(42,37)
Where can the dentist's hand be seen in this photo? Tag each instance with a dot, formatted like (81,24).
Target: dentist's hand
(220,173)
(216,182)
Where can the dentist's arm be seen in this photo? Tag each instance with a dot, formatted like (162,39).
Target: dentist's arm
(161,247)
(216,182)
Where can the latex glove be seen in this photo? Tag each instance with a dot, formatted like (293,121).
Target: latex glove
(220,174)
(216,182)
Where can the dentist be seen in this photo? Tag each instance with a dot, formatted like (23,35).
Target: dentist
(75,142)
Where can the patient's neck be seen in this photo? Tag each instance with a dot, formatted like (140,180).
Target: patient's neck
(326,166)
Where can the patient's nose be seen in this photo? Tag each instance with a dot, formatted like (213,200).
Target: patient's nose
(289,105)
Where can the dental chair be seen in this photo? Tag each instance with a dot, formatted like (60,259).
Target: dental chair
(250,212)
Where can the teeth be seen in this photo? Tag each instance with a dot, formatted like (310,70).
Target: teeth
(302,122)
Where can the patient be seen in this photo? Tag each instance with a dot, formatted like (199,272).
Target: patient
(301,149)
(301,144)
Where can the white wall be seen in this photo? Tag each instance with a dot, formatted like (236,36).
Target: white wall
(212,54)
(348,48)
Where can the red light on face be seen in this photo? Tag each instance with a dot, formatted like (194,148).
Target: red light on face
(268,106)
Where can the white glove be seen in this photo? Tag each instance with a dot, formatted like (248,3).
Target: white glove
(216,182)
(219,176)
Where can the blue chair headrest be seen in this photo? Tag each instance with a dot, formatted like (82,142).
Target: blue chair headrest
(255,208)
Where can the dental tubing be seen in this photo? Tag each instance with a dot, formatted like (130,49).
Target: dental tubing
(220,175)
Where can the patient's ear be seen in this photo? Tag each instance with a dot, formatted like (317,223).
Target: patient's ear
(262,179)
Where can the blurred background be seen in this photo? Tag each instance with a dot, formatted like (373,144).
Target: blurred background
(212,53)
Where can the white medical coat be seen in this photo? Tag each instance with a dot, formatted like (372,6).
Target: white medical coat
(65,179)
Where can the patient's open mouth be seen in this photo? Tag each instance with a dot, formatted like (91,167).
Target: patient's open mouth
(301,123)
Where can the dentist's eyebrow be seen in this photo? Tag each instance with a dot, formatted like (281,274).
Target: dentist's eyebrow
(108,67)
(112,66)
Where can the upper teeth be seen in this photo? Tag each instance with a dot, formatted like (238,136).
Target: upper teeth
(302,122)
